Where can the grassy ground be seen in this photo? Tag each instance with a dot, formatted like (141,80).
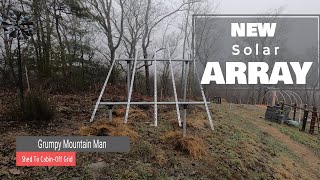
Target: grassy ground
(304,138)
(242,146)
(293,149)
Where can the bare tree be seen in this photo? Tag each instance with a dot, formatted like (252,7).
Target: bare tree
(173,40)
(6,53)
(201,7)
(133,25)
(151,20)
(105,13)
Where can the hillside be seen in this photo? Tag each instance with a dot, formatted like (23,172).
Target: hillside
(242,146)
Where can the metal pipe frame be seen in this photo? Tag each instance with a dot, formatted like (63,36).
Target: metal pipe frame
(128,76)
(152,103)
(110,112)
(155,106)
(184,133)
(185,79)
(102,92)
(174,86)
(203,96)
(155,103)
(131,88)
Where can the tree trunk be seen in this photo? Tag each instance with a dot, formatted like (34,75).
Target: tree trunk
(146,68)
(20,83)
(145,46)
(184,47)
(62,54)
(112,56)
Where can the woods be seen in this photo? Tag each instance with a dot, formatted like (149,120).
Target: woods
(76,41)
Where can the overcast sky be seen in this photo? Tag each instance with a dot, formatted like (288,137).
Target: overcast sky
(261,6)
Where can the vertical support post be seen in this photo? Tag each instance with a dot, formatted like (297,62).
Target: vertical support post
(182,74)
(174,86)
(318,122)
(185,106)
(294,111)
(203,95)
(110,112)
(102,92)
(305,118)
(155,91)
(313,120)
(185,79)
(282,105)
(130,91)
(299,120)
(128,76)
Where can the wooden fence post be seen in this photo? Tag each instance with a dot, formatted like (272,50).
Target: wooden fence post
(305,118)
(313,120)
(294,111)
(318,124)
(282,105)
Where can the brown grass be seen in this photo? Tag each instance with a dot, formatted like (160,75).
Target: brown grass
(171,136)
(114,128)
(120,112)
(216,115)
(136,115)
(193,146)
(88,131)
(161,158)
(196,124)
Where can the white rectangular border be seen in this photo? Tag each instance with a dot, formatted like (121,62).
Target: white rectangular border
(259,16)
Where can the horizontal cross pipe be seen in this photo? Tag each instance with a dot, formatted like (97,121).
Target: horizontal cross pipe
(304,109)
(152,103)
(131,59)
